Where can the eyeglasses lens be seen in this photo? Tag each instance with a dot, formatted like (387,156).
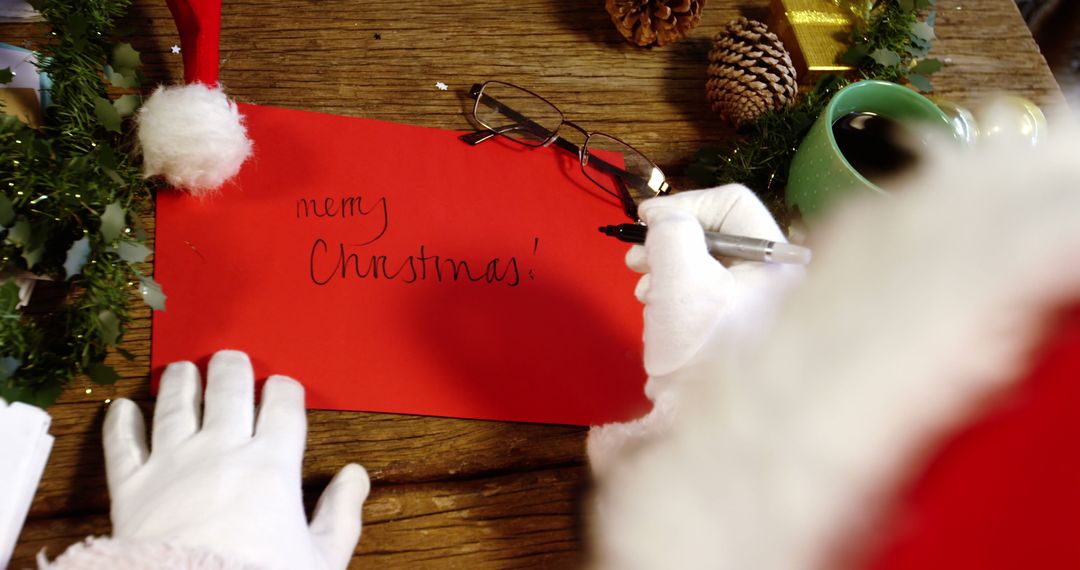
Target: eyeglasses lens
(614,165)
(516,113)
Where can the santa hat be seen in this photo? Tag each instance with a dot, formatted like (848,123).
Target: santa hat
(193,135)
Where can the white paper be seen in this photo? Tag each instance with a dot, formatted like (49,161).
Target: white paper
(25,444)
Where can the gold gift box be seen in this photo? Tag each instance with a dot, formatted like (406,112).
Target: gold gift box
(815,32)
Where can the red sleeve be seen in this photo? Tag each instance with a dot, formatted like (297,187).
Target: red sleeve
(1004,492)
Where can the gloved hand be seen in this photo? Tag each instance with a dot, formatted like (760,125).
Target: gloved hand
(230,484)
(689,296)
(693,303)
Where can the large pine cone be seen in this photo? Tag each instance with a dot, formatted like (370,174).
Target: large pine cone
(655,22)
(750,72)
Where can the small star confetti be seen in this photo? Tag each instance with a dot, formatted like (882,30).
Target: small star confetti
(175,49)
(441,86)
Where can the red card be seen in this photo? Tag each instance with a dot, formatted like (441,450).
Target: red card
(396,269)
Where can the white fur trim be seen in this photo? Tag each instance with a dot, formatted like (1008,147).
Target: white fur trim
(917,309)
(193,136)
(103,553)
(606,443)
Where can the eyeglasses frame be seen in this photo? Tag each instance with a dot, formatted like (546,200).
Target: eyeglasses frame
(489,131)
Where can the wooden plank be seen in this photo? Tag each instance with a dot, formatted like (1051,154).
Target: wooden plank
(393,448)
(513,521)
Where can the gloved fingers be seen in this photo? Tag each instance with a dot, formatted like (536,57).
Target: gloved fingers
(176,413)
(230,398)
(282,420)
(732,209)
(637,260)
(641,290)
(684,293)
(678,256)
(124,438)
(336,523)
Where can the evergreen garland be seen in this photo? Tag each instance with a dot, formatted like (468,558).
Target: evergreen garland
(889,42)
(71,195)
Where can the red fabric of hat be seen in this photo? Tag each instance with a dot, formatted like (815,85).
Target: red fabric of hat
(199,25)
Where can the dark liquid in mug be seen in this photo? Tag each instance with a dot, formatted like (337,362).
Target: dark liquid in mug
(877,147)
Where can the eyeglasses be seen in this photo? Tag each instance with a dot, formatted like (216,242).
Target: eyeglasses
(527,118)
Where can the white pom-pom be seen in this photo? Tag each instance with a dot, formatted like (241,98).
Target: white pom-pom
(193,136)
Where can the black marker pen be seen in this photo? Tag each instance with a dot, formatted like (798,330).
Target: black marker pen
(724,245)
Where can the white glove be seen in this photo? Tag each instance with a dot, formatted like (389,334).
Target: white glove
(689,295)
(693,303)
(25,444)
(221,487)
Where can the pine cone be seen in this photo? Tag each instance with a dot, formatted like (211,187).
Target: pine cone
(654,22)
(750,72)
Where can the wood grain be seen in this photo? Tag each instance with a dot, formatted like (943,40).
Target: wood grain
(458,493)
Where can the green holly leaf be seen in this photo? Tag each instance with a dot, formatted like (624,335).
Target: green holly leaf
(112,221)
(108,162)
(20,234)
(108,327)
(918,48)
(885,57)
(125,353)
(928,67)
(123,80)
(76,257)
(8,366)
(107,115)
(113,175)
(9,297)
(921,82)
(31,242)
(7,211)
(854,55)
(126,105)
(125,58)
(10,123)
(33,256)
(923,31)
(102,373)
(6,75)
(43,395)
(907,5)
(40,395)
(132,251)
(152,294)
(923,4)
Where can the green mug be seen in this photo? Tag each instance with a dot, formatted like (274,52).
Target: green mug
(819,172)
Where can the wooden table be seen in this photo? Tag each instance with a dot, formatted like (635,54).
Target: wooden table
(456,493)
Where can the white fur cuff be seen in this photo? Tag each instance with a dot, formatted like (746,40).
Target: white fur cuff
(103,553)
